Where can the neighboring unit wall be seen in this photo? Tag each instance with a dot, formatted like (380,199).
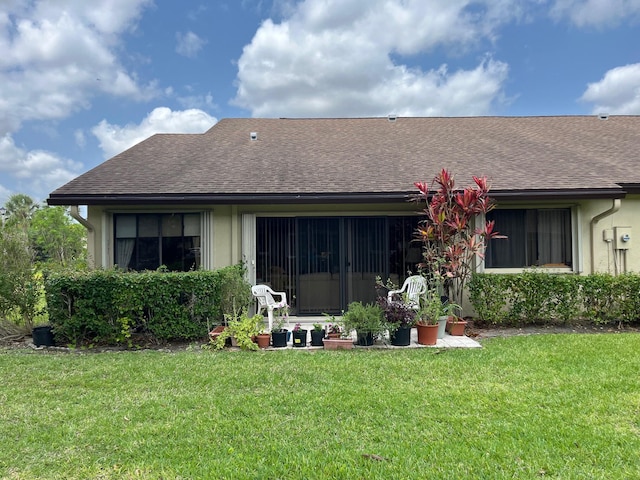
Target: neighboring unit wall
(612,255)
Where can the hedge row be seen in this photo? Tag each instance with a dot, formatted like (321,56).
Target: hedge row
(110,306)
(537,297)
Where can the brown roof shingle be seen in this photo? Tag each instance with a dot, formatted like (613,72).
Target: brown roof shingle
(365,157)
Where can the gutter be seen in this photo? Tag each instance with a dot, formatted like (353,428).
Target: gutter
(315,198)
(75,213)
(594,221)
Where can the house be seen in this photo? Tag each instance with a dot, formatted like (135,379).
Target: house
(319,207)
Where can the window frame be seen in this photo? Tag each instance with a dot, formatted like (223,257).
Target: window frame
(575,241)
(197,244)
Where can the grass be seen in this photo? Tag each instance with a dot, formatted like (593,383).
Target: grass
(559,406)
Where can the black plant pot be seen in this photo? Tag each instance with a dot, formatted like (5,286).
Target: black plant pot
(279,338)
(365,339)
(43,336)
(401,337)
(299,338)
(316,338)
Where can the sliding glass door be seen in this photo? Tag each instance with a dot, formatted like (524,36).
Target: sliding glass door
(324,263)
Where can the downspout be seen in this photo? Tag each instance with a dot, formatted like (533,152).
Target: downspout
(614,208)
(75,213)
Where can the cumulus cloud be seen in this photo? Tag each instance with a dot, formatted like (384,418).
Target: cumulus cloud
(115,139)
(344,57)
(618,92)
(57,55)
(189,44)
(36,171)
(596,13)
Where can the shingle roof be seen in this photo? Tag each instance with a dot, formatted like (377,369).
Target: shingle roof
(365,157)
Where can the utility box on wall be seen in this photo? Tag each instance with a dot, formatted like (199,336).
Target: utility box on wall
(621,238)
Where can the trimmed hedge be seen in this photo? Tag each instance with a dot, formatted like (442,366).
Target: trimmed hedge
(537,297)
(109,306)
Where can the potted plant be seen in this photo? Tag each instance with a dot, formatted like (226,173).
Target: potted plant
(43,336)
(317,334)
(456,325)
(399,318)
(279,333)
(333,328)
(366,320)
(428,316)
(299,336)
(263,339)
(243,328)
(450,238)
(338,343)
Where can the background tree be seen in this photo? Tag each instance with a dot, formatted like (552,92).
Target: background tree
(57,240)
(20,289)
(19,210)
(33,238)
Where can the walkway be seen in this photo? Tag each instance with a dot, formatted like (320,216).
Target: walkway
(449,341)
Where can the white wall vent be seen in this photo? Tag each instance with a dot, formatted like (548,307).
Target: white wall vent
(254,136)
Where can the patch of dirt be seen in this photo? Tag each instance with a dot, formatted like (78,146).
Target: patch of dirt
(480,332)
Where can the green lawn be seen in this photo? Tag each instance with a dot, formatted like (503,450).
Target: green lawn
(560,406)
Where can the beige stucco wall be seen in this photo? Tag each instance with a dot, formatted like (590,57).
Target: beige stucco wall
(604,255)
(225,232)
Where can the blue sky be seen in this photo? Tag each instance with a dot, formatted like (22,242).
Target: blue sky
(81,81)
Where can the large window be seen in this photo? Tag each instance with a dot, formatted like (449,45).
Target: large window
(146,241)
(535,237)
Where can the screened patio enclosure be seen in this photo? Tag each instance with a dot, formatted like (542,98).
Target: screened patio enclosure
(324,263)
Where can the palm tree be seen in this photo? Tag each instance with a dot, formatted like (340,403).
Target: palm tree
(19,210)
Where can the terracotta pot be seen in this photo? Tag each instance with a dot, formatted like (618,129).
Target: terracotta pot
(334,335)
(457,328)
(427,334)
(263,340)
(338,344)
(216,332)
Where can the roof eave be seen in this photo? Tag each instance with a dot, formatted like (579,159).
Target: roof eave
(320,198)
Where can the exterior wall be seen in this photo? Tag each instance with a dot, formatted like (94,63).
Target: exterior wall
(225,232)
(94,237)
(605,258)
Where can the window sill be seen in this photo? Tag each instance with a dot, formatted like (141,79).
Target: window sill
(559,270)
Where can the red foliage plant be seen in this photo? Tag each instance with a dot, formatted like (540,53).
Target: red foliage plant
(450,238)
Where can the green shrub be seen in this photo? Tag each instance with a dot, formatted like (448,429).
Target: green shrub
(107,306)
(534,297)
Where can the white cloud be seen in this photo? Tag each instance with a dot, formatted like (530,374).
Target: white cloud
(36,172)
(115,139)
(197,101)
(334,58)
(618,92)
(57,55)
(189,44)
(596,13)
(5,193)
(81,141)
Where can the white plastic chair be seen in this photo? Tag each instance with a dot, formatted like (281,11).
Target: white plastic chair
(264,296)
(412,289)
